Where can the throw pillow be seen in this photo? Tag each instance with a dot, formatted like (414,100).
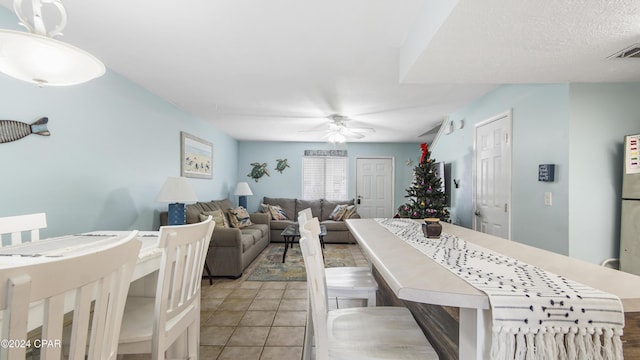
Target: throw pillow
(218,217)
(338,212)
(264,208)
(239,217)
(277,213)
(350,210)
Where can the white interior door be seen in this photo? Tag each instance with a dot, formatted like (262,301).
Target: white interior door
(492,180)
(374,187)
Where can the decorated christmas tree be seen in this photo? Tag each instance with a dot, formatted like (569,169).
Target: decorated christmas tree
(427,198)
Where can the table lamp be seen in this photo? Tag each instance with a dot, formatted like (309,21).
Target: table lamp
(176,191)
(242,190)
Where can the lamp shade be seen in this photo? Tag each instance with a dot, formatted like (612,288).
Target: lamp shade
(242,189)
(45,61)
(176,190)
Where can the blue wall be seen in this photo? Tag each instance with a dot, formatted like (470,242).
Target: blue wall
(289,183)
(578,127)
(601,114)
(539,133)
(112,145)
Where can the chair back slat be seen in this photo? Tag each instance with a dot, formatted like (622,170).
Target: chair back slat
(178,290)
(80,323)
(53,315)
(15,226)
(304,215)
(14,326)
(313,225)
(94,285)
(316,283)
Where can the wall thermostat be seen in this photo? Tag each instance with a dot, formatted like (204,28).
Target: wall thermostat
(546,172)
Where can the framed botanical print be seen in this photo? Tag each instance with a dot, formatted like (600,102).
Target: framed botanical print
(196,156)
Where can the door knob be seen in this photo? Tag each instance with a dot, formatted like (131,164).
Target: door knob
(477,213)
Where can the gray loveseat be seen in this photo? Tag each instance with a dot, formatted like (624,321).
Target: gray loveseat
(231,249)
(337,231)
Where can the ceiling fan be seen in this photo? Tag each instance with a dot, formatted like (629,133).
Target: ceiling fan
(337,130)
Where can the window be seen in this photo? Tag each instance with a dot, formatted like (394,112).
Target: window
(324,178)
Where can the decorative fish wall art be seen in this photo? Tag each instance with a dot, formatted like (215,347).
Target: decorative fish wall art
(11,130)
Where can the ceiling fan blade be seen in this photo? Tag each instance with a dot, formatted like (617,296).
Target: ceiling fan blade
(361,129)
(354,135)
(313,131)
(270,115)
(337,127)
(347,132)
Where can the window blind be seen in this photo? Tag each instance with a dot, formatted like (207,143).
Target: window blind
(324,178)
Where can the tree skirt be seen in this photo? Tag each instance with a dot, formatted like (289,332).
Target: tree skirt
(271,268)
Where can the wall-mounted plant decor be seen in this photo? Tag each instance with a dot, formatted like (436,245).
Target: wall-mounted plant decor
(258,171)
(11,130)
(281,165)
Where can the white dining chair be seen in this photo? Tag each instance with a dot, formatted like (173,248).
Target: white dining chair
(17,226)
(93,286)
(353,282)
(383,332)
(304,215)
(152,324)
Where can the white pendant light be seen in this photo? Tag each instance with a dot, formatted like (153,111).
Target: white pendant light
(38,58)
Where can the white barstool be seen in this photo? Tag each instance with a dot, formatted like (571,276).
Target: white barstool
(353,282)
(384,332)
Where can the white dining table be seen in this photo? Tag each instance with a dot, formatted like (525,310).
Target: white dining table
(50,249)
(78,244)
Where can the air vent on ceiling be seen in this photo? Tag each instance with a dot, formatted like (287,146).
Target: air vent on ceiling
(632,51)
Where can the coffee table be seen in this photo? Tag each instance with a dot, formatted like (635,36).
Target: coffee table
(292,232)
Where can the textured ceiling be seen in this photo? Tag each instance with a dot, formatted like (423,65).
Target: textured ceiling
(495,41)
(271,70)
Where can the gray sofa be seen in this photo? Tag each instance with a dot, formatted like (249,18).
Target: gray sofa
(231,249)
(337,231)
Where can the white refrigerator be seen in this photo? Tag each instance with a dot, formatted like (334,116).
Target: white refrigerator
(630,215)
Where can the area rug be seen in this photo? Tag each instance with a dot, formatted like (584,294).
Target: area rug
(271,268)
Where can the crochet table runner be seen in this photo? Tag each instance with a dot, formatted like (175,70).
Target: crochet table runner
(535,314)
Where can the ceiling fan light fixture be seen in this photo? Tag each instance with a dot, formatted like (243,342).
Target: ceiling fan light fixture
(37,58)
(337,138)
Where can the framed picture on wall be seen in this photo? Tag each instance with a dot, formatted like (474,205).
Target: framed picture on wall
(196,157)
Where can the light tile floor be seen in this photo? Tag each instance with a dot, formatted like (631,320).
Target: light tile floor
(257,320)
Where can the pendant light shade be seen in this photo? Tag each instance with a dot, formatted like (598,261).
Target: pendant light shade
(45,61)
(37,58)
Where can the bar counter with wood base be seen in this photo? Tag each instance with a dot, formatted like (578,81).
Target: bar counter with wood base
(456,316)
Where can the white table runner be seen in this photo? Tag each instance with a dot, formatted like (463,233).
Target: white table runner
(535,314)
